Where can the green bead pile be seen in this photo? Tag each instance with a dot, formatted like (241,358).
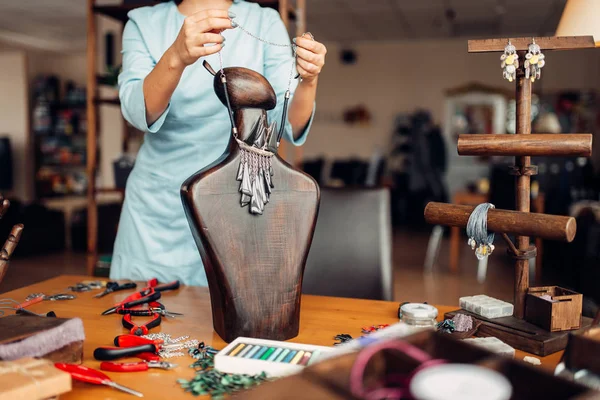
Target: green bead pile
(209,381)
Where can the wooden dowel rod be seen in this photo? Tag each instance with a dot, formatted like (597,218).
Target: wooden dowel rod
(546,43)
(551,227)
(576,145)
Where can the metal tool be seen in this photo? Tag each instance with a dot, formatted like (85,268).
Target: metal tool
(153,284)
(114,353)
(79,288)
(136,367)
(86,286)
(35,298)
(153,308)
(54,297)
(85,374)
(27,312)
(134,340)
(143,329)
(165,313)
(135,299)
(115,287)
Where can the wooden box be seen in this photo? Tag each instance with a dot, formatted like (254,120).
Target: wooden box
(31,379)
(583,350)
(563,313)
(330,379)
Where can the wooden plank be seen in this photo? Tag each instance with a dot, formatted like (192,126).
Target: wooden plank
(119,12)
(521,334)
(92,133)
(546,43)
(539,144)
(551,227)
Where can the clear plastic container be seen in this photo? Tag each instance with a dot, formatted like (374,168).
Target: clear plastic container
(419,315)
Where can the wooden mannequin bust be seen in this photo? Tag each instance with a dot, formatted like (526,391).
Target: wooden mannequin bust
(254,263)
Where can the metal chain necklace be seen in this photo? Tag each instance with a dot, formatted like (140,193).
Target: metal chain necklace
(256,159)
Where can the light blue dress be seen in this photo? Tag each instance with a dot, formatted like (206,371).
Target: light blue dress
(154,238)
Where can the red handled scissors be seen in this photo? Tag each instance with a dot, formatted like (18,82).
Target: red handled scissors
(88,375)
(135,367)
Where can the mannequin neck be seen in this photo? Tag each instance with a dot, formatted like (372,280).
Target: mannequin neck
(189,7)
(245,120)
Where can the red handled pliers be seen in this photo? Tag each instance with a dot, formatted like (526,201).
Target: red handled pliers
(148,352)
(133,341)
(140,330)
(147,295)
(135,367)
(153,308)
(135,299)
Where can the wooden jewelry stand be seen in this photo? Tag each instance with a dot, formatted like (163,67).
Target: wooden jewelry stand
(513,330)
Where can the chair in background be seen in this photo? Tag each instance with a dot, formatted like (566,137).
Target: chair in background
(351,252)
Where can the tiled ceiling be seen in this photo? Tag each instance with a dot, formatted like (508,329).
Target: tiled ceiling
(379,20)
(59,25)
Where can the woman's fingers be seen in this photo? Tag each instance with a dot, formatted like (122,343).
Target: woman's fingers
(204,38)
(311,45)
(308,55)
(204,14)
(213,24)
(203,51)
(303,73)
(310,68)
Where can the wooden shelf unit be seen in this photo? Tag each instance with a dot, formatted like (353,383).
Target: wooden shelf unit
(289,10)
(522,145)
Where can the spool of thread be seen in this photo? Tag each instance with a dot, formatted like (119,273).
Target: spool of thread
(460,381)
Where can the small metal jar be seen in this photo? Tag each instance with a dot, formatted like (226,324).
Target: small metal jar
(418,315)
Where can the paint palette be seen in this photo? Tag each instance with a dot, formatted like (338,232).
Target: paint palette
(253,356)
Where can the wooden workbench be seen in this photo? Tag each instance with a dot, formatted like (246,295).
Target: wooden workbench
(321,319)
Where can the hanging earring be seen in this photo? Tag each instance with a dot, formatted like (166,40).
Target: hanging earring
(534,62)
(510,62)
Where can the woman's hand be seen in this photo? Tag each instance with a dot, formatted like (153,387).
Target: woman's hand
(197,30)
(311,57)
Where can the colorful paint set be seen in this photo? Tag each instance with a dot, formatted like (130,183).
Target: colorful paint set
(253,356)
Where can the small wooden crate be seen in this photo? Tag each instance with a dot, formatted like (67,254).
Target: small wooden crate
(563,314)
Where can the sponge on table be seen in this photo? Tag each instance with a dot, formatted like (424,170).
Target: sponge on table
(486,306)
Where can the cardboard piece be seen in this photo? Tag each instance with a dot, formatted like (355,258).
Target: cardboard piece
(32,379)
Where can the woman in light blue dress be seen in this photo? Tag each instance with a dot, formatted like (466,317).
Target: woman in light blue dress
(167,93)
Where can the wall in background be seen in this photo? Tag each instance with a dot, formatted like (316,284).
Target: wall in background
(74,67)
(391,78)
(65,66)
(14,118)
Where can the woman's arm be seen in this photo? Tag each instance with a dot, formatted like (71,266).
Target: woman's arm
(311,59)
(197,30)
(146,87)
